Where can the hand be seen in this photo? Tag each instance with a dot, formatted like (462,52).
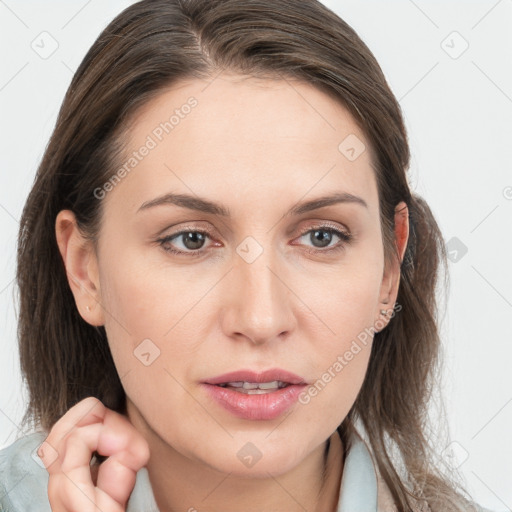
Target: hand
(75,486)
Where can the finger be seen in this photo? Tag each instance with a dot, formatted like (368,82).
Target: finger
(116,480)
(76,490)
(128,452)
(122,438)
(76,451)
(116,438)
(66,496)
(87,427)
(87,411)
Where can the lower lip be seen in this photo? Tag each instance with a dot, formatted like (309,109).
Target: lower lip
(267,406)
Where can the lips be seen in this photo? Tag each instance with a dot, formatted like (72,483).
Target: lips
(255,396)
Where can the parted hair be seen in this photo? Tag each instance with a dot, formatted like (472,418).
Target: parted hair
(143,51)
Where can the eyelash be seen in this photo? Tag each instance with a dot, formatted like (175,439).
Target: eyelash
(346,238)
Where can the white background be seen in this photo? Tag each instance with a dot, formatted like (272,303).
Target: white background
(458,113)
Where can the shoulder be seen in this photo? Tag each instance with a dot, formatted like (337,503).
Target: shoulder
(23,477)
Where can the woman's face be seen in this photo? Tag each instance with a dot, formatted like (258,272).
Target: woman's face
(259,282)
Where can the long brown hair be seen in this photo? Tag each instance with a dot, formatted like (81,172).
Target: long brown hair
(144,50)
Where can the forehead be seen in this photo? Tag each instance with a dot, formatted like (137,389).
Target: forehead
(241,137)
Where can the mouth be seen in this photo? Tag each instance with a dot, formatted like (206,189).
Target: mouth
(255,388)
(255,396)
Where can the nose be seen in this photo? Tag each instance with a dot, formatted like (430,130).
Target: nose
(260,304)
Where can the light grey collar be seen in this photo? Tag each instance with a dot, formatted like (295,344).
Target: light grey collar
(358,490)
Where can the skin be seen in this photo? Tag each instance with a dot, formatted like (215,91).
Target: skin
(258,147)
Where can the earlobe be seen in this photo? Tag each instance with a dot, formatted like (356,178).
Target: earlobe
(81,267)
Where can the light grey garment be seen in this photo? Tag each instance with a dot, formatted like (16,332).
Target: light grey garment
(24,480)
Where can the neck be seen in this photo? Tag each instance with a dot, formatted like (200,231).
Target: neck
(181,483)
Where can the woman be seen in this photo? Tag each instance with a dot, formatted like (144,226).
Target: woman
(227,288)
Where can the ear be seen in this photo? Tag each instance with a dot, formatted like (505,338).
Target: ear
(391,277)
(81,266)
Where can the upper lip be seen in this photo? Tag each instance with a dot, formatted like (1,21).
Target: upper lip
(257,377)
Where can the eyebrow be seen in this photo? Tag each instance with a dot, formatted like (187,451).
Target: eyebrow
(204,205)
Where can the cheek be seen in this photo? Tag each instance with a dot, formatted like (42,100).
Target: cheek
(132,308)
(342,356)
(145,325)
(150,320)
(347,303)
(137,294)
(340,377)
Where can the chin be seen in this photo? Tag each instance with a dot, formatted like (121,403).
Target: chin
(255,459)
(262,468)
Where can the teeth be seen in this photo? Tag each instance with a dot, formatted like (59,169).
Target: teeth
(234,384)
(269,385)
(255,387)
(251,385)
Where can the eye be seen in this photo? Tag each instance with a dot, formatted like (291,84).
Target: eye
(193,240)
(322,236)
